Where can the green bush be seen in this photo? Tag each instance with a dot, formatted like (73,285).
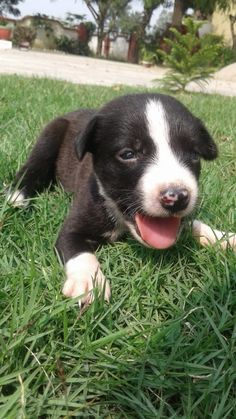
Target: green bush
(24,34)
(72,46)
(190,58)
(224,54)
(147,55)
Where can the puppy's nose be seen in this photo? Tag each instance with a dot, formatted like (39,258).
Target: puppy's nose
(174,199)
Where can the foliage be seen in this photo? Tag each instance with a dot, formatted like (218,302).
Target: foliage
(76,46)
(189,58)
(163,21)
(73,19)
(65,44)
(91,27)
(106,14)
(148,55)
(116,15)
(137,23)
(224,55)
(24,34)
(6,24)
(165,346)
(71,46)
(130,22)
(3,22)
(205,8)
(148,8)
(9,6)
(208,7)
(42,21)
(155,36)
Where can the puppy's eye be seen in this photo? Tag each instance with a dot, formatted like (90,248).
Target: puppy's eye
(127,155)
(194,157)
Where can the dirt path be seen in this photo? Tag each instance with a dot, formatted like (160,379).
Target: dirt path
(77,69)
(84,70)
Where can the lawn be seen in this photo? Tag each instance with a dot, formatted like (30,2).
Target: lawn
(165,347)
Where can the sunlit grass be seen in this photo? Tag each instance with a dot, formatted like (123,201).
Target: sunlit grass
(165,345)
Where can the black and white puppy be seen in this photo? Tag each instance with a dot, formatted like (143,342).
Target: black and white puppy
(133,165)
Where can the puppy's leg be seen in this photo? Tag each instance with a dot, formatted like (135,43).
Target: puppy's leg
(82,233)
(83,274)
(207,236)
(39,170)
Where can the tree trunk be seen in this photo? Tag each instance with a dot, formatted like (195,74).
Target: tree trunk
(178,13)
(145,22)
(99,45)
(139,37)
(233,34)
(101,35)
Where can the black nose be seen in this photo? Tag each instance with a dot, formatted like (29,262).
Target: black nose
(174,199)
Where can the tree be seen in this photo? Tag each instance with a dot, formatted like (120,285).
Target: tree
(189,58)
(74,19)
(148,8)
(139,21)
(225,6)
(115,14)
(105,14)
(233,34)
(9,6)
(206,8)
(178,12)
(136,24)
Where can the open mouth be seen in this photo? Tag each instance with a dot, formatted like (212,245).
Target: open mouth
(158,232)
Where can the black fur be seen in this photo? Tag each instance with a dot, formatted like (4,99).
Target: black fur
(99,138)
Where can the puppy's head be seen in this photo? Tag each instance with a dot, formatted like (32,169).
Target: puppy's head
(146,152)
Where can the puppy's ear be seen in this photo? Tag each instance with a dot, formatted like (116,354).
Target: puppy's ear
(84,141)
(205,145)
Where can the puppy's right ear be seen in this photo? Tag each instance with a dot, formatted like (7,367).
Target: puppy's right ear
(84,141)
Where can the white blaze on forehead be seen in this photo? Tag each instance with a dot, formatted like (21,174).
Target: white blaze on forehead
(157,124)
(158,127)
(165,169)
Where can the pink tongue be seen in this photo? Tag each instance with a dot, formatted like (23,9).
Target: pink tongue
(158,232)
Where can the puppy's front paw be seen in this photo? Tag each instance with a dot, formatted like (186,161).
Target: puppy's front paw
(83,274)
(17,199)
(206,236)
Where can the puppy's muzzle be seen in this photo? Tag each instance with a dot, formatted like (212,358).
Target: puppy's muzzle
(174,199)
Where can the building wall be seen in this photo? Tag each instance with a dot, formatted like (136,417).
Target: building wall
(45,38)
(221,24)
(205,28)
(93,44)
(118,47)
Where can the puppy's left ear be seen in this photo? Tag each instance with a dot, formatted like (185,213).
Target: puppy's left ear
(84,141)
(205,145)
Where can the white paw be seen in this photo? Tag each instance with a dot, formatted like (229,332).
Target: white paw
(17,199)
(208,236)
(83,274)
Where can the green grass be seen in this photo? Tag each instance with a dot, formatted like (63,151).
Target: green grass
(165,347)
